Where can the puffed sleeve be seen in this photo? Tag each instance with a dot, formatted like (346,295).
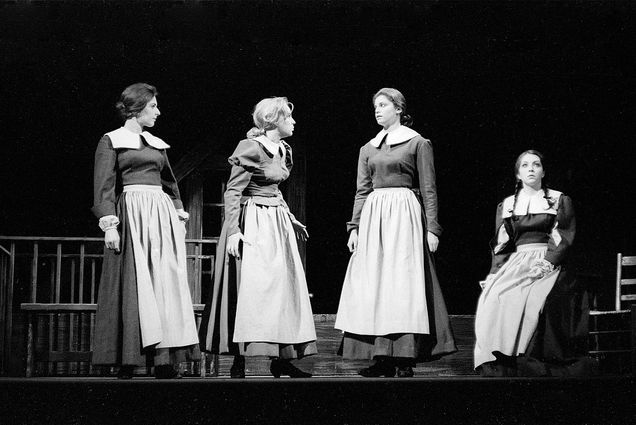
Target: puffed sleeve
(364,187)
(169,182)
(104,179)
(500,245)
(245,160)
(428,187)
(562,235)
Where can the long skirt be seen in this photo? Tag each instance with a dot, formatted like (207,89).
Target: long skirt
(259,305)
(144,302)
(509,306)
(559,345)
(391,302)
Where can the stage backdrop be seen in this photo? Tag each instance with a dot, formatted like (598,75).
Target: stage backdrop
(483,80)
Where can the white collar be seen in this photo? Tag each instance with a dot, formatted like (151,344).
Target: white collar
(531,204)
(124,138)
(399,135)
(272,147)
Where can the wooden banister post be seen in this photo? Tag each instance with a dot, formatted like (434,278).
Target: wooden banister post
(633,327)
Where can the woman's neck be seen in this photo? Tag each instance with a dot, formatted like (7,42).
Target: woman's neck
(132,125)
(530,190)
(273,135)
(393,127)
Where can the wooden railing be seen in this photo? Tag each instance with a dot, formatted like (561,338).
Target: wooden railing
(55,281)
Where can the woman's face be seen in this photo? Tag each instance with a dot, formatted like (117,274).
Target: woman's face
(148,115)
(530,171)
(386,114)
(286,126)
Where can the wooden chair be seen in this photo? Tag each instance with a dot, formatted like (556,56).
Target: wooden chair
(621,262)
(612,334)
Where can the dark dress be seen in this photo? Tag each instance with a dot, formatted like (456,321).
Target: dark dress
(124,160)
(407,316)
(527,326)
(259,304)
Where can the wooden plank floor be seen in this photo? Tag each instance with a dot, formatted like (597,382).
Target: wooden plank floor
(328,363)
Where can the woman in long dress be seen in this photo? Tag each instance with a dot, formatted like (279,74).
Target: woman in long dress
(531,317)
(391,307)
(259,305)
(144,307)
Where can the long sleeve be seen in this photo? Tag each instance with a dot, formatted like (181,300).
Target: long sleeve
(169,183)
(428,187)
(245,160)
(500,245)
(364,187)
(562,235)
(104,179)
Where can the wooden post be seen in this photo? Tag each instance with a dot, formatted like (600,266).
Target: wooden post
(9,310)
(296,192)
(633,317)
(82,259)
(30,360)
(193,202)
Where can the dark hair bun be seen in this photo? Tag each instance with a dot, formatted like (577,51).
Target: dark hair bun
(406,120)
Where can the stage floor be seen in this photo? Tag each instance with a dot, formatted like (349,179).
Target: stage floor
(319,400)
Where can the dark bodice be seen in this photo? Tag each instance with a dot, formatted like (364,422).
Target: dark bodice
(408,164)
(141,166)
(115,168)
(555,227)
(256,174)
(531,228)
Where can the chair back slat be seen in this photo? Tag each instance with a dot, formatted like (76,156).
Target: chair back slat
(629,260)
(625,282)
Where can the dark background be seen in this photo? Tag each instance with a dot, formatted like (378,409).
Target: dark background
(483,80)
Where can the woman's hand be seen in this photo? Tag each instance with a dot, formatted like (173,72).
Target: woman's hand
(233,241)
(352,243)
(300,229)
(433,241)
(111,239)
(540,268)
(487,281)
(183,216)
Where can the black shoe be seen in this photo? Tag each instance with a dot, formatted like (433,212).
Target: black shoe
(284,367)
(166,371)
(405,372)
(380,368)
(125,372)
(238,367)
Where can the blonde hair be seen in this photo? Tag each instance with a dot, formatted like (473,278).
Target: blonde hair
(267,113)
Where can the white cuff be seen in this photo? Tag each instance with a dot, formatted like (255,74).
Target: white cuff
(108,222)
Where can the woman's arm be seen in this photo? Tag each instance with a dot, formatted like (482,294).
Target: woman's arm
(169,183)
(245,161)
(364,187)
(104,179)
(428,187)
(562,236)
(499,244)
(104,197)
